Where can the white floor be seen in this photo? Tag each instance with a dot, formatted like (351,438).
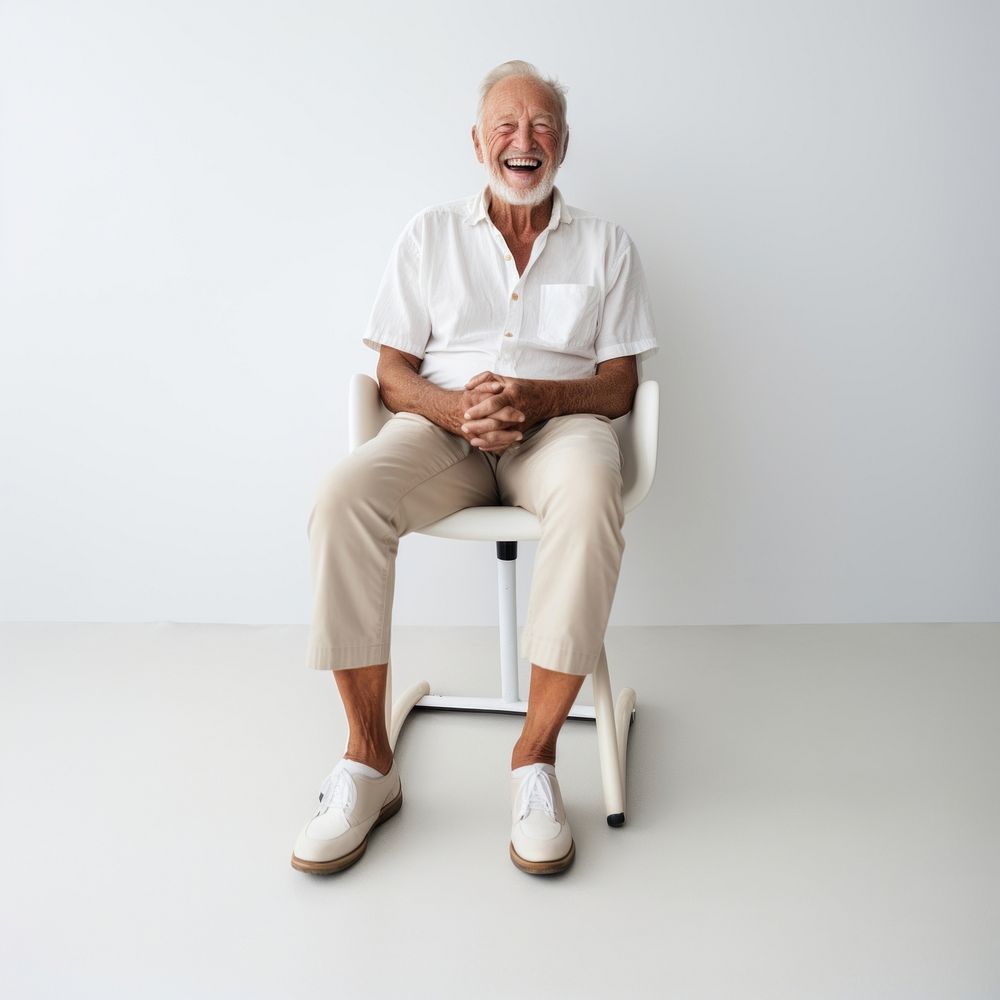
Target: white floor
(814,812)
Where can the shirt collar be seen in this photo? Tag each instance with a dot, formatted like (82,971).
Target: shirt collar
(478,209)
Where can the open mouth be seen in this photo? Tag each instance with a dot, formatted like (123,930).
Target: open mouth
(522,164)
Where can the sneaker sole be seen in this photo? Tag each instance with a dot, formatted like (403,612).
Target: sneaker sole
(339,864)
(544,867)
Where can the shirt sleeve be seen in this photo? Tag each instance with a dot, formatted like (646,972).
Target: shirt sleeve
(627,319)
(399,317)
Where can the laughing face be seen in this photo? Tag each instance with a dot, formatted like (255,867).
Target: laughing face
(520,144)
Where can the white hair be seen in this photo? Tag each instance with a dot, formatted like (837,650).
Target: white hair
(519,68)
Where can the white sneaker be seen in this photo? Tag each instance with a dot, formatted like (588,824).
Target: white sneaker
(540,839)
(351,806)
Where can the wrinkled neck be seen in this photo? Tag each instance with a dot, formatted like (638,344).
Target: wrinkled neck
(520,222)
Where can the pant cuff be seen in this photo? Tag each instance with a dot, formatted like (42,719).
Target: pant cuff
(323,657)
(558,654)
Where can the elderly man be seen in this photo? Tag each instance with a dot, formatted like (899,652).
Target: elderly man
(507,328)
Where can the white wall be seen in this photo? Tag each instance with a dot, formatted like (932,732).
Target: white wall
(198,199)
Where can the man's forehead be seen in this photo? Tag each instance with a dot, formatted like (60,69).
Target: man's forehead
(512,96)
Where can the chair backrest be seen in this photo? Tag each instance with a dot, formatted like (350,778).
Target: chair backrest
(638,432)
(366,413)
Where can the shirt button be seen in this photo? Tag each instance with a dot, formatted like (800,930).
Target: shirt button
(507,256)
(514,296)
(508,334)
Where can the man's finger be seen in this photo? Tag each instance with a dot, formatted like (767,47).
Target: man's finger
(485,389)
(478,428)
(506,419)
(491,439)
(476,379)
(487,407)
(510,415)
(497,448)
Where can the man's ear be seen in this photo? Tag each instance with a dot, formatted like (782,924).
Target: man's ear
(565,147)
(476,144)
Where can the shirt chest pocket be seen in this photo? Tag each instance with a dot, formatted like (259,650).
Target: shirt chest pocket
(567,316)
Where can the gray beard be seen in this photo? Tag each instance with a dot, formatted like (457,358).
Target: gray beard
(512,196)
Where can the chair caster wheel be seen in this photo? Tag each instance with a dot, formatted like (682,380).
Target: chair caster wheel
(616,819)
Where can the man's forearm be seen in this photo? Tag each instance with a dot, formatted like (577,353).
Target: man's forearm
(610,393)
(403,389)
(586,395)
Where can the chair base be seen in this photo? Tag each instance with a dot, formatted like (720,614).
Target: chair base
(460,703)
(613,726)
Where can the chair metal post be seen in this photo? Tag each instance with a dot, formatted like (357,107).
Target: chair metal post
(507,597)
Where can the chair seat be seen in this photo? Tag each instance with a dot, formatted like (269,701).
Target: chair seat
(487,524)
(637,432)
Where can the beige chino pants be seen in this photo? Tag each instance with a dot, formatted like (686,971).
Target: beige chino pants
(566,470)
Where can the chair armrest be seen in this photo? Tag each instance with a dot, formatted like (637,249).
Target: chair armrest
(366,413)
(638,432)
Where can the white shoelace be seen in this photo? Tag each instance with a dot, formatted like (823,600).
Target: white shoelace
(537,793)
(338,791)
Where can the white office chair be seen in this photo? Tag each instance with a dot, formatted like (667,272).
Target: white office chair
(506,526)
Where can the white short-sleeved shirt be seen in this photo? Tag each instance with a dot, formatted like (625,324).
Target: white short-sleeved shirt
(452,296)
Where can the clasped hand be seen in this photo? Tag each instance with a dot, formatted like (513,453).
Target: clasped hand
(495,410)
